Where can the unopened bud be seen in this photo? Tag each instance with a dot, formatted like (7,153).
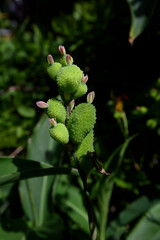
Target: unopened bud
(84,79)
(90,97)
(42,104)
(50,59)
(72,104)
(53,122)
(69,59)
(62,50)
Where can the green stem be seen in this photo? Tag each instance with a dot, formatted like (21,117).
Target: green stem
(32,204)
(125,124)
(83,176)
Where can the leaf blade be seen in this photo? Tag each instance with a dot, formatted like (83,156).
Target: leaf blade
(141,12)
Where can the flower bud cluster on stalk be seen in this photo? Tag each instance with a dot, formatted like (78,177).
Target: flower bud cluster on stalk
(71,124)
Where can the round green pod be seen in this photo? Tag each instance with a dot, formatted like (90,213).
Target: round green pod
(56,110)
(81,91)
(53,69)
(60,133)
(69,78)
(81,122)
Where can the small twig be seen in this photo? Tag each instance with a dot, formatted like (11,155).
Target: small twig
(92,226)
(16,152)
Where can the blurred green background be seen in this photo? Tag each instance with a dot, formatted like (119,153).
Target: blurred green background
(99,35)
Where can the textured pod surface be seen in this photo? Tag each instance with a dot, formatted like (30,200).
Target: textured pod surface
(56,110)
(59,133)
(81,122)
(85,146)
(81,91)
(85,161)
(69,78)
(53,69)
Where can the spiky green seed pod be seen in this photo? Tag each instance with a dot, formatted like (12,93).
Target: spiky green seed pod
(81,91)
(59,133)
(56,110)
(85,146)
(81,152)
(69,78)
(53,69)
(81,122)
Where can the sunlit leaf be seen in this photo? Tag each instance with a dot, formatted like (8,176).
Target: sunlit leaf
(35,193)
(149,226)
(14,169)
(141,12)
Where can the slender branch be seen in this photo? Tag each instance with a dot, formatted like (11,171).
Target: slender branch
(92,226)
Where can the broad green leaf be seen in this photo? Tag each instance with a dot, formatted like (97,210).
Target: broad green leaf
(35,193)
(141,12)
(148,227)
(14,169)
(6,235)
(70,200)
(129,214)
(106,187)
(50,230)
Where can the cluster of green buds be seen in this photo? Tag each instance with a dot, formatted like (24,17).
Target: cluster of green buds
(71,125)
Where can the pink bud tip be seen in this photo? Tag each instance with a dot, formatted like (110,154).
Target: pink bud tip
(84,79)
(69,59)
(72,104)
(53,122)
(42,104)
(62,50)
(90,97)
(50,59)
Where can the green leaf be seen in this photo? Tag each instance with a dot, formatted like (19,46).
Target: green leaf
(50,230)
(141,12)
(106,187)
(70,200)
(26,112)
(5,235)
(129,214)
(35,193)
(14,169)
(148,227)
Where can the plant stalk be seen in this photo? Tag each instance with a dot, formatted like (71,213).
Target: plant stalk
(92,226)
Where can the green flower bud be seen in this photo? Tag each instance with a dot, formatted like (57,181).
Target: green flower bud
(53,69)
(56,110)
(152,123)
(59,133)
(153,92)
(81,122)
(81,91)
(69,78)
(63,60)
(86,146)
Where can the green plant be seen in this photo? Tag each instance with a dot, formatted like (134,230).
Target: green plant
(49,201)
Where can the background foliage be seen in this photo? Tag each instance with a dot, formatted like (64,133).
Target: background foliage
(117,44)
